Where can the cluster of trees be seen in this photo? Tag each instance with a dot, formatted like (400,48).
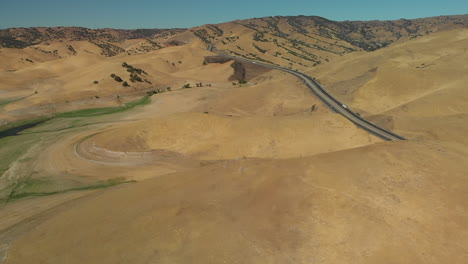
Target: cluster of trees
(135,78)
(134,75)
(116,77)
(186,86)
(132,69)
(150,93)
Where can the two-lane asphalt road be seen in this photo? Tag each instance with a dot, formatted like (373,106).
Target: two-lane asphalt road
(327,99)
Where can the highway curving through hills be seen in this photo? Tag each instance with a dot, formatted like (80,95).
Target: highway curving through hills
(326,98)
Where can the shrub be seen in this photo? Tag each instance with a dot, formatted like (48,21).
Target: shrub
(150,93)
(113,75)
(118,79)
(135,78)
(187,86)
(95,82)
(169,89)
(125,84)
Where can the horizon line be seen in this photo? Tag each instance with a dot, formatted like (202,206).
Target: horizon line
(185,28)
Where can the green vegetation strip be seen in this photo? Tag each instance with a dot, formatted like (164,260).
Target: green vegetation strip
(82,113)
(100,185)
(4,102)
(105,110)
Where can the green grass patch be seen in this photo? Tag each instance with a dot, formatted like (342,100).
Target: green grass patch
(105,110)
(12,148)
(33,187)
(92,112)
(6,101)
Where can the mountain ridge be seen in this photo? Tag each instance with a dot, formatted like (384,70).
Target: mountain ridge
(348,35)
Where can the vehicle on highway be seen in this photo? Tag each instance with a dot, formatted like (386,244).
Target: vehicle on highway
(345,106)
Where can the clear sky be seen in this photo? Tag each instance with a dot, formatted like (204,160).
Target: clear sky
(130,14)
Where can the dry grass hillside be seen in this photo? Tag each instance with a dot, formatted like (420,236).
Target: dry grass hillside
(417,88)
(91,80)
(217,137)
(245,164)
(378,204)
(110,41)
(300,42)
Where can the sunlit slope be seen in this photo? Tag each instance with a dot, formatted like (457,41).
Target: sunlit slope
(377,204)
(223,137)
(398,76)
(302,42)
(85,80)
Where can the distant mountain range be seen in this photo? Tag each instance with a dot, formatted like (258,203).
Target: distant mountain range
(293,40)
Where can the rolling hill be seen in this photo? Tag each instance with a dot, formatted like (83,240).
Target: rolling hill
(224,161)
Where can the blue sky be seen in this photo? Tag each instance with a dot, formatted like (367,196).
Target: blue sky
(186,13)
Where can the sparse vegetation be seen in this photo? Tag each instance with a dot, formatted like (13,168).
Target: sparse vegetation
(259,49)
(151,93)
(108,49)
(203,35)
(71,49)
(132,69)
